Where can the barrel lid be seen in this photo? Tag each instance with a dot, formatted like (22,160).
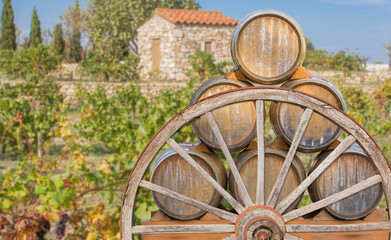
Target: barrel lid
(320,81)
(268,46)
(216,81)
(233,140)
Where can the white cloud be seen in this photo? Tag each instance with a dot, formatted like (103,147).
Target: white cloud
(358,2)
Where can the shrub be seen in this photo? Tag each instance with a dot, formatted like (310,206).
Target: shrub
(28,63)
(105,67)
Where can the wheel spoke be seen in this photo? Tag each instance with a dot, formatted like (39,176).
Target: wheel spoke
(177,196)
(292,237)
(260,193)
(295,228)
(305,118)
(333,198)
(227,154)
(345,144)
(207,228)
(230,237)
(235,204)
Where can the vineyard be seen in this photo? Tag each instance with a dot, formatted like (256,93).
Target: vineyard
(64,169)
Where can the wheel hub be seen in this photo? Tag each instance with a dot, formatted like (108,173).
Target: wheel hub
(260,223)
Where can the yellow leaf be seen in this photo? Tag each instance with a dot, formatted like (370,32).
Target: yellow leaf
(7,182)
(91,236)
(104,167)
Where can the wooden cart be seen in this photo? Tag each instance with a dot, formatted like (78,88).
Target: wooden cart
(251,217)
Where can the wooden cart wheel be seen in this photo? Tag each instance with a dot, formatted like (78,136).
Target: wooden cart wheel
(261,219)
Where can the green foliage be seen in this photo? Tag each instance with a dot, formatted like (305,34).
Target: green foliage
(341,61)
(370,110)
(76,49)
(383,95)
(25,110)
(309,45)
(8,33)
(106,67)
(126,121)
(203,66)
(348,61)
(30,63)
(113,23)
(361,107)
(35,33)
(109,119)
(59,43)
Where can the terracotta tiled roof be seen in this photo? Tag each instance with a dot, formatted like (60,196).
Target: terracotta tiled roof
(194,16)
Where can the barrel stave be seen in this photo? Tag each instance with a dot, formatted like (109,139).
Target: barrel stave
(247,162)
(173,172)
(236,122)
(352,167)
(268,46)
(320,132)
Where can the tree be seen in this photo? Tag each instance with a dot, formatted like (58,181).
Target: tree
(59,43)
(388,47)
(73,19)
(35,33)
(76,49)
(8,32)
(112,24)
(204,66)
(309,45)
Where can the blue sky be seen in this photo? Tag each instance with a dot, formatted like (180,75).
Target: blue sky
(362,26)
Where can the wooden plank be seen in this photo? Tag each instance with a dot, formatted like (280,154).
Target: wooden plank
(231,237)
(155,54)
(296,228)
(300,74)
(228,157)
(235,204)
(167,192)
(235,74)
(346,143)
(161,219)
(208,47)
(292,237)
(185,236)
(305,118)
(207,228)
(333,198)
(260,195)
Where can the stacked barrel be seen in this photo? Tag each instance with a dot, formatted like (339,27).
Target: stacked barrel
(268,48)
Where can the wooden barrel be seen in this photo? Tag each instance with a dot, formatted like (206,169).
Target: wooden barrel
(320,131)
(237,122)
(268,46)
(352,167)
(247,162)
(173,172)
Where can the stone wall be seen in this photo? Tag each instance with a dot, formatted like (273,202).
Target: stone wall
(68,88)
(155,27)
(177,44)
(369,81)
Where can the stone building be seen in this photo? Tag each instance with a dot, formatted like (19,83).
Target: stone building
(169,36)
